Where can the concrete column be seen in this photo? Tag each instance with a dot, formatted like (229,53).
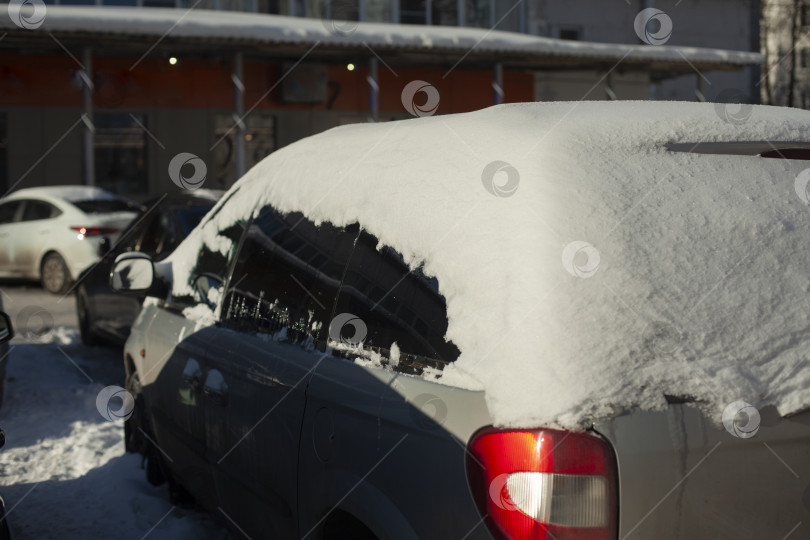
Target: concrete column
(238,112)
(373,89)
(611,95)
(700,89)
(88,140)
(497,83)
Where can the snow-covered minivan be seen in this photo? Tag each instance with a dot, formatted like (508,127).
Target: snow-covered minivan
(564,321)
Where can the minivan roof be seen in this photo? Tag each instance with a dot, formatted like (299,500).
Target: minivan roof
(587,268)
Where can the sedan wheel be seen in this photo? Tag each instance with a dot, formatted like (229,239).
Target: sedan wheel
(55,275)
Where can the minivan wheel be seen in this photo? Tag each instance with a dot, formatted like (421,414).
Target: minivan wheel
(137,435)
(138,438)
(55,275)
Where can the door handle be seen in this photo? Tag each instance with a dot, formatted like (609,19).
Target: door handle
(216,388)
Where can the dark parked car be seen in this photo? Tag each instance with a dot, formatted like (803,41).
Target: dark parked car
(5,336)
(6,333)
(106,315)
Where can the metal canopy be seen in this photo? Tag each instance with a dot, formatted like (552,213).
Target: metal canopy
(215,34)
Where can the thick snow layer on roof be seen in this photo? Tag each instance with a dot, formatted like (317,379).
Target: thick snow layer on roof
(609,273)
(199,23)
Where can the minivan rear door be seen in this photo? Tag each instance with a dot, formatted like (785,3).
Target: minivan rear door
(744,472)
(681,476)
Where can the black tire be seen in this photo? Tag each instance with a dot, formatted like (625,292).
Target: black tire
(136,429)
(89,338)
(54,274)
(135,426)
(137,434)
(5,533)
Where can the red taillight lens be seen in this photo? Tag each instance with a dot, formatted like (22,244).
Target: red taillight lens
(544,484)
(94,231)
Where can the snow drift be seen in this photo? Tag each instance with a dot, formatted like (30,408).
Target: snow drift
(587,269)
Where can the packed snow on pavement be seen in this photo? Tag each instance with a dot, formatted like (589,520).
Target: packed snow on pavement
(64,473)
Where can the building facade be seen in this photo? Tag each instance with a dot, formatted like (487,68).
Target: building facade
(109,94)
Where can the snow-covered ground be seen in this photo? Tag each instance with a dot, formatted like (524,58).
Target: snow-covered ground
(64,472)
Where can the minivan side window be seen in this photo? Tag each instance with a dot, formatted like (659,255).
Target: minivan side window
(286,278)
(398,306)
(207,277)
(210,272)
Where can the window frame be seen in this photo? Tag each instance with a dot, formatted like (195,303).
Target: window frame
(54,210)
(570,28)
(804,58)
(410,361)
(229,288)
(16,218)
(174,303)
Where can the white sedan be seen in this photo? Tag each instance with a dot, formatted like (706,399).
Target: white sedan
(53,233)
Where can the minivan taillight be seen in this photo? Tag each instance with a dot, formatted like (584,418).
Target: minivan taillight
(544,484)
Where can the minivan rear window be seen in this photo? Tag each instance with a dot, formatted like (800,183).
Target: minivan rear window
(106,206)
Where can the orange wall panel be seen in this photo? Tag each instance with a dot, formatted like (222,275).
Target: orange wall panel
(193,83)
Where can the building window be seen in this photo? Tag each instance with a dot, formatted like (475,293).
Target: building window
(412,12)
(805,15)
(120,150)
(570,33)
(506,15)
(335,10)
(444,12)
(272,6)
(502,15)
(260,141)
(804,58)
(806,99)
(377,11)
(477,13)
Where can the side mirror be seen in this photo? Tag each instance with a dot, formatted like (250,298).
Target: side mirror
(6,330)
(134,273)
